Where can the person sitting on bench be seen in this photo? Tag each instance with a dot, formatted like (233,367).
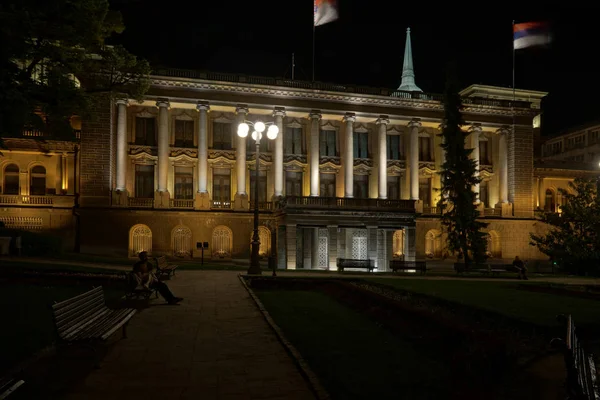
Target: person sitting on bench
(142,270)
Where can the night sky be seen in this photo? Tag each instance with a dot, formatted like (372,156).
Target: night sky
(365,46)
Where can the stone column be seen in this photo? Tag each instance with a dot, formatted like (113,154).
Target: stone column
(202,197)
(279,114)
(349,119)
(64,174)
(414,158)
(503,167)
(475,131)
(121,145)
(290,244)
(382,122)
(315,117)
(161,197)
(240,201)
(332,246)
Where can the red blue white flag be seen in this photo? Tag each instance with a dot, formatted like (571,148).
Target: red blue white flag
(325,11)
(530,34)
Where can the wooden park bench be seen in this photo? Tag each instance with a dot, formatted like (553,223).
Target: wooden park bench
(9,386)
(85,318)
(134,292)
(401,265)
(163,268)
(342,263)
(582,382)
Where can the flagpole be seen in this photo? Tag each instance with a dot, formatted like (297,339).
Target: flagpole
(313,52)
(513,75)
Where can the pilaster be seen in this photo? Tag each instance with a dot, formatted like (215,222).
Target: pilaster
(414,126)
(315,117)
(202,200)
(240,200)
(382,122)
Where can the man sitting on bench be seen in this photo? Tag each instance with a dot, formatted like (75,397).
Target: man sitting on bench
(143,273)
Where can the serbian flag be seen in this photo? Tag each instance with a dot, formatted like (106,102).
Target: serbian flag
(325,11)
(530,34)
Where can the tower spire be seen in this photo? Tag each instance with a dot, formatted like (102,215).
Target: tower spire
(408,72)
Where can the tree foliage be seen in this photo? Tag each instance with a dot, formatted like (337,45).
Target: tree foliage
(573,240)
(55,63)
(457,202)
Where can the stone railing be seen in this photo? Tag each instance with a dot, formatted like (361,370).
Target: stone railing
(342,203)
(54,201)
(262,205)
(141,202)
(182,203)
(220,205)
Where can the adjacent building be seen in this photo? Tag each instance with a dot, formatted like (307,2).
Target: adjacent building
(353,172)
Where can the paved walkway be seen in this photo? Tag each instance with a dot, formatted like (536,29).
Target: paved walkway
(214,345)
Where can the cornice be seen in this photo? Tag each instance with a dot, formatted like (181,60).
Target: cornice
(422,102)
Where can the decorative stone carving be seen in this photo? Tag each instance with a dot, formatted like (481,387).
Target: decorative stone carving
(299,158)
(226,154)
(330,160)
(179,151)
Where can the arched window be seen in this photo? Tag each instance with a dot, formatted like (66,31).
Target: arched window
(494,248)
(11,179)
(550,204)
(264,235)
(398,244)
(37,181)
(140,239)
(433,244)
(181,241)
(222,239)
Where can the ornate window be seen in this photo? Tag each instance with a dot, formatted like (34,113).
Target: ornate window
(181,241)
(394,189)
(144,181)
(222,239)
(140,239)
(293,140)
(394,151)
(184,133)
(425,148)
(483,194)
(37,181)
(359,244)
(322,249)
(293,183)
(361,186)
(184,183)
(327,184)
(550,203)
(221,136)
(327,145)
(145,131)
(221,187)
(484,152)
(361,145)
(11,179)
(425,191)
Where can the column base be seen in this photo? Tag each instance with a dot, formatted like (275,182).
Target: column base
(419,206)
(202,201)
(162,199)
(240,202)
(120,198)
(507,209)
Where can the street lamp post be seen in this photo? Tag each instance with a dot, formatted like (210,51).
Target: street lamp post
(272,132)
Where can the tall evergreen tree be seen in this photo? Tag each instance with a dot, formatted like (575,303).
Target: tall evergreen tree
(573,240)
(457,201)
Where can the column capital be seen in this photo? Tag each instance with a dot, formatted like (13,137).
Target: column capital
(279,112)
(476,127)
(241,109)
(202,106)
(163,103)
(349,117)
(123,101)
(315,114)
(415,123)
(383,120)
(503,130)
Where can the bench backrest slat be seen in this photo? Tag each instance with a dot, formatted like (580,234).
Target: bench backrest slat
(71,313)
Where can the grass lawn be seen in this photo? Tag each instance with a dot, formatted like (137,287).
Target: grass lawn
(26,309)
(504,298)
(353,357)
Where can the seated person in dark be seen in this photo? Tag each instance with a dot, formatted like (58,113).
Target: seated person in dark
(142,270)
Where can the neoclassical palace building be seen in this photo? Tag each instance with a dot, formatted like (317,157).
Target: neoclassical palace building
(353,172)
